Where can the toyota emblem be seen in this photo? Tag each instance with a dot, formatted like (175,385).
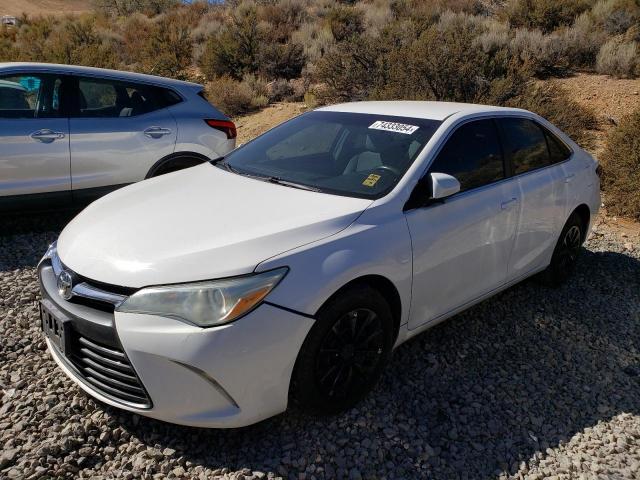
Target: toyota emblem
(65,285)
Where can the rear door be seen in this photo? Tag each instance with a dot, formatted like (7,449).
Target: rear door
(542,190)
(119,130)
(34,136)
(461,246)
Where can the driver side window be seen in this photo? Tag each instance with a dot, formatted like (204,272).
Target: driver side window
(472,155)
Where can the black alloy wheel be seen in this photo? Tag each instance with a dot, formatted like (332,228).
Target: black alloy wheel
(345,352)
(350,352)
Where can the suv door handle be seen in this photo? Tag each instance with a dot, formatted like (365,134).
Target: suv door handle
(157,132)
(508,203)
(46,135)
(569,177)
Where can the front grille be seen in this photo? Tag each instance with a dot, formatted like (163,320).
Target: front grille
(108,370)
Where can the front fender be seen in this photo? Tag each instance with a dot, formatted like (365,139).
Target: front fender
(319,269)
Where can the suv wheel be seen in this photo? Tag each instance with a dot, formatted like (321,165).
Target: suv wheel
(345,352)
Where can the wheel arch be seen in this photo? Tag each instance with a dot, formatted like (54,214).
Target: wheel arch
(382,285)
(584,212)
(175,157)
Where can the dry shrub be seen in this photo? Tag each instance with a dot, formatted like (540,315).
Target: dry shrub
(619,58)
(621,168)
(233,51)
(316,40)
(234,97)
(281,60)
(129,7)
(544,53)
(448,65)
(546,15)
(581,42)
(283,17)
(551,102)
(616,16)
(345,22)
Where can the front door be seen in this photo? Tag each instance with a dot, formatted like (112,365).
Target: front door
(461,247)
(34,137)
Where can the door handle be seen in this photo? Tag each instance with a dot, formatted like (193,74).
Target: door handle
(508,203)
(157,132)
(47,136)
(569,177)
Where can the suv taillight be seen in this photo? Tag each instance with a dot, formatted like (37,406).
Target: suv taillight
(224,126)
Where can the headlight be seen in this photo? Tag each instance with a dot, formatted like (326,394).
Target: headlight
(205,303)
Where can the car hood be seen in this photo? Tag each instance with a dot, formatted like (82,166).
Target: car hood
(197,224)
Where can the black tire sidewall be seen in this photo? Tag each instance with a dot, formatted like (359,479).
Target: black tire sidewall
(304,391)
(554,275)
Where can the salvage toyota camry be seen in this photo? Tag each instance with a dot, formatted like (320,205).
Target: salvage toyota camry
(287,271)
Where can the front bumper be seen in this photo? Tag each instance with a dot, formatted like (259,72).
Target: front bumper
(223,377)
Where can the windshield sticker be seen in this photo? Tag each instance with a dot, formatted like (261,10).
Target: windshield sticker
(371,180)
(394,127)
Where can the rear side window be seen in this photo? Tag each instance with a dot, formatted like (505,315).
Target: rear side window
(558,151)
(525,145)
(472,155)
(100,98)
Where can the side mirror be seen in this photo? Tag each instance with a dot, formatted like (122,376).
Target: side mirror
(443,185)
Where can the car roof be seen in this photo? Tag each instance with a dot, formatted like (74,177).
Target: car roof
(416,109)
(92,71)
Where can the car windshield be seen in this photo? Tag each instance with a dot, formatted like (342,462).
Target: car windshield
(352,154)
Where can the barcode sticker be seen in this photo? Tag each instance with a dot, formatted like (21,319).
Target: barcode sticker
(394,127)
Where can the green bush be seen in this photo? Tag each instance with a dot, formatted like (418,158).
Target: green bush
(345,22)
(621,168)
(277,60)
(234,50)
(448,65)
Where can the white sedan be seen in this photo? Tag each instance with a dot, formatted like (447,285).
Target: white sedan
(288,271)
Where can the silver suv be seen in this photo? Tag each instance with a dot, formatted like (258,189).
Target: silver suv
(71,134)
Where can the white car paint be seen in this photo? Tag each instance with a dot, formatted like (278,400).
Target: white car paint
(206,223)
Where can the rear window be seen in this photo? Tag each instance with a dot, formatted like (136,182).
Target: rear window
(558,151)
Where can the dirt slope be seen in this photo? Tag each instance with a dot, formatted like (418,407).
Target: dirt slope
(44,7)
(609,98)
(254,124)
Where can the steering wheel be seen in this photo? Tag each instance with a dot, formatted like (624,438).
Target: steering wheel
(387,168)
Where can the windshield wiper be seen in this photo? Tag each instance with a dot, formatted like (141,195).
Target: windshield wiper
(287,183)
(281,181)
(265,178)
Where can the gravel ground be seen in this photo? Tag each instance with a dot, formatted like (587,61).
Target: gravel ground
(534,383)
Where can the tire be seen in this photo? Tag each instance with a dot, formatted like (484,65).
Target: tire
(566,253)
(345,352)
